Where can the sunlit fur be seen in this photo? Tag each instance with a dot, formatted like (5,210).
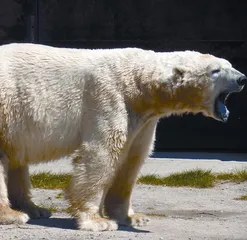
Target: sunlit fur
(101,108)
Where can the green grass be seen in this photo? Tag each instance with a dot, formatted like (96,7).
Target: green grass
(49,180)
(56,210)
(156,214)
(244,198)
(194,178)
(236,176)
(60,195)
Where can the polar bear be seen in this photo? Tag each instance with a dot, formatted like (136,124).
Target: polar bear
(101,108)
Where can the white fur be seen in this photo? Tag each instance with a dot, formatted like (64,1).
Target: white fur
(7,218)
(99,106)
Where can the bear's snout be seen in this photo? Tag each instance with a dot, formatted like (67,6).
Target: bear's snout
(242,80)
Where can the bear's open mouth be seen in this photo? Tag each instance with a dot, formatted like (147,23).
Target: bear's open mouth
(220,109)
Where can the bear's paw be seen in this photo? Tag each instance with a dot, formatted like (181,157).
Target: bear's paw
(97,225)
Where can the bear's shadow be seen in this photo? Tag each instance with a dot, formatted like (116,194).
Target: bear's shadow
(64,223)
(68,223)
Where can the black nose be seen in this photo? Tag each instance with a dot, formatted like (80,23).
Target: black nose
(242,81)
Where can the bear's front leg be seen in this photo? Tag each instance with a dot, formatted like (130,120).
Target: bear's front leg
(94,167)
(117,204)
(19,193)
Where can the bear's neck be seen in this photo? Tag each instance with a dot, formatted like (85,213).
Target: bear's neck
(151,89)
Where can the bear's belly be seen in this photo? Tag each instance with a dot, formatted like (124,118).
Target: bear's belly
(36,146)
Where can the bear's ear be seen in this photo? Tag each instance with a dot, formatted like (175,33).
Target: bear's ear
(179,71)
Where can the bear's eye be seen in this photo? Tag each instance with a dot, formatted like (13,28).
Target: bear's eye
(216,71)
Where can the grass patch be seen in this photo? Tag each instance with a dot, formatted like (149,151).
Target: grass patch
(57,210)
(49,180)
(243,198)
(237,176)
(60,195)
(194,178)
(156,214)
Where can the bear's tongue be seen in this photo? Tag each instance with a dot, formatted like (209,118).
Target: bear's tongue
(222,111)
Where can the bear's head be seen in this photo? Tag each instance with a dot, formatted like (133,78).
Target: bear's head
(198,83)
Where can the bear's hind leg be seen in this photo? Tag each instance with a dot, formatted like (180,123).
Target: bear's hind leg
(8,215)
(19,193)
(117,203)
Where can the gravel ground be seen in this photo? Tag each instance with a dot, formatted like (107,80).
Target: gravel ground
(176,213)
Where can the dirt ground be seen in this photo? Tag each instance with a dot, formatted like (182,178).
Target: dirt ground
(175,213)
